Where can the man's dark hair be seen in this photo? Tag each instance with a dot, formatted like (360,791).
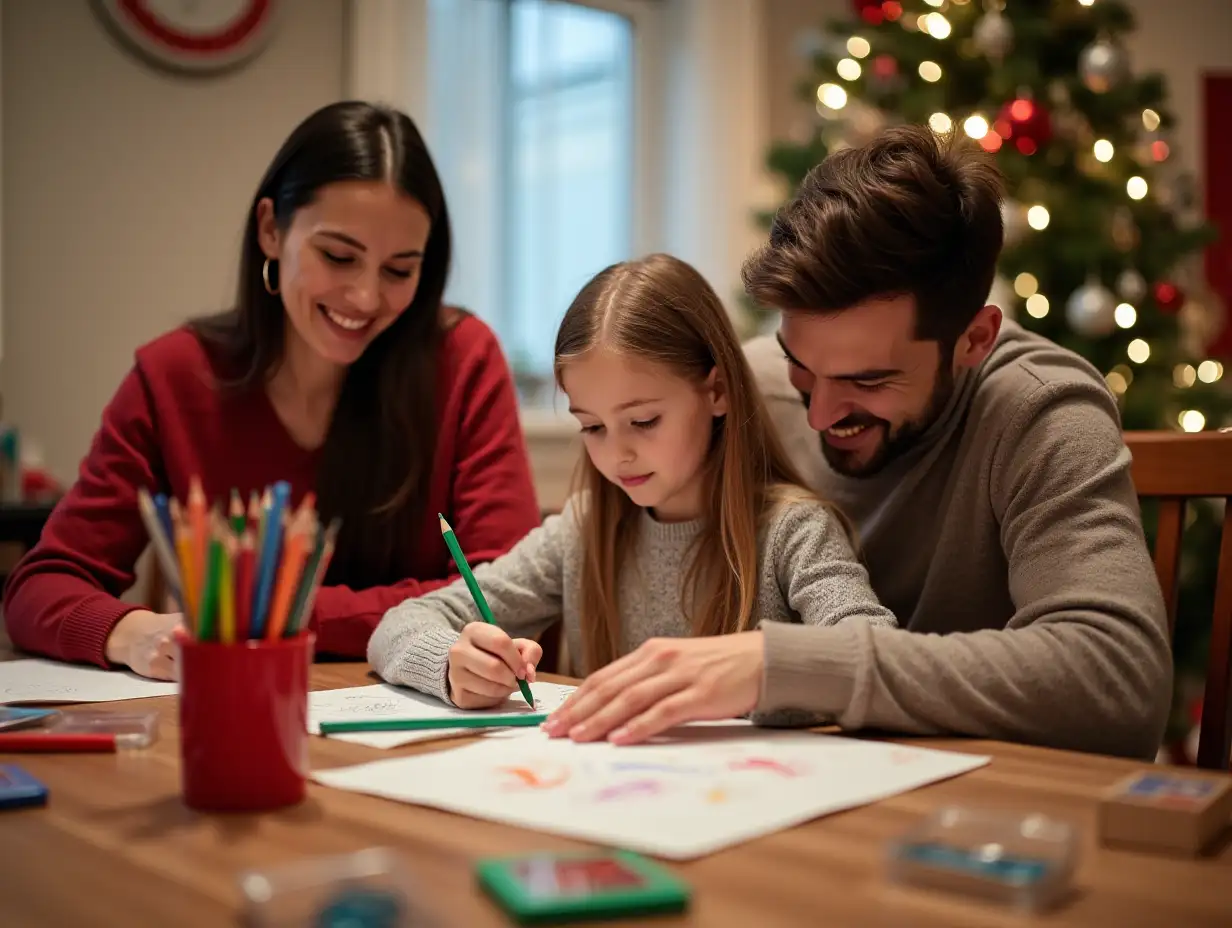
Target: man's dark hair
(911,212)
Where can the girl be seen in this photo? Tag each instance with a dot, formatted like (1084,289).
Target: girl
(689,521)
(338,371)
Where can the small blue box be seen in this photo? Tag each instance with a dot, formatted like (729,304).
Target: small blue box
(18,789)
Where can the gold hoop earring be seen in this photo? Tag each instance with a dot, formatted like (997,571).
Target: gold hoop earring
(265,275)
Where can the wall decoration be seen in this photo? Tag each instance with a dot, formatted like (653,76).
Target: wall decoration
(194,36)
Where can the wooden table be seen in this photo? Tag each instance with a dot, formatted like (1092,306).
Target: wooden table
(116,847)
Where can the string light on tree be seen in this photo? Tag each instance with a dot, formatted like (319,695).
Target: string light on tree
(1026,285)
(935,25)
(940,123)
(1184,375)
(848,69)
(975,126)
(1136,187)
(1038,217)
(1138,350)
(1210,371)
(1150,120)
(858,47)
(1125,315)
(832,96)
(1192,421)
(1116,381)
(930,71)
(1037,306)
(1103,150)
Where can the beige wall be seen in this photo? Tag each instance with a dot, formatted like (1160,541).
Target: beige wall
(125,190)
(1180,38)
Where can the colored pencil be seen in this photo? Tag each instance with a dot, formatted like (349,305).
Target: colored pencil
(479,721)
(207,622)
(245,570)
(162,542)
(190,584)
(314,578)
(269,552)
(198,524)
(236,514)
(51,743)
(163,509)
(464,568)
(289,573)
(226,590)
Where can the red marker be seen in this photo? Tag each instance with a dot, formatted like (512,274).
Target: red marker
(57,744)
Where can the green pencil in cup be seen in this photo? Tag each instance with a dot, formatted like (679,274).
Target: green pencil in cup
(464,568)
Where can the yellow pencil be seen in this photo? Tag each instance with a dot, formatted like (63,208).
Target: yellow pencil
(226,590)
(188,572)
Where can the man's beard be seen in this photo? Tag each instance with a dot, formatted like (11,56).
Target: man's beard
(894,442)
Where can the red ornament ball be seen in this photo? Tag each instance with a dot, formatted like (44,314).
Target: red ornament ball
(1169,297)
(869,10)
(885,67)
(1025,124)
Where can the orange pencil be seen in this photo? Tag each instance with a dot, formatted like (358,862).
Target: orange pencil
(198,524)
(188,574)
(295,550)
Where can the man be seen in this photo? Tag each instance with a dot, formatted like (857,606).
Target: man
(982,465)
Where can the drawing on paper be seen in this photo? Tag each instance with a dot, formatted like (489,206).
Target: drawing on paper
(632,790)
(767,764)
(644,767)
(901,756)
(520,778)
(716,795)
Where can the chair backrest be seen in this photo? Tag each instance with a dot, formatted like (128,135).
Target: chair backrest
(1175,467)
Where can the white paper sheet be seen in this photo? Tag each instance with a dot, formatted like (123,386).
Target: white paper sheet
(396,702)
(37,680)
(702,789)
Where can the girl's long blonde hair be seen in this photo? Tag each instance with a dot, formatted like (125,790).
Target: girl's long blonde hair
(660,309)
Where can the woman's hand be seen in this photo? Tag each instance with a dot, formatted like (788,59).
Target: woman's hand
(146,642)
(485,665)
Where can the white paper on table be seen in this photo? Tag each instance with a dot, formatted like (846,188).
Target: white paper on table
(385,701)
(701,789)
(38,680)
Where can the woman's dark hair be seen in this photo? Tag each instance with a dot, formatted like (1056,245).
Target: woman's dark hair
(376,462)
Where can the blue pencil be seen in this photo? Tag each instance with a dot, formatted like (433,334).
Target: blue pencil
(271,550)
(163,508)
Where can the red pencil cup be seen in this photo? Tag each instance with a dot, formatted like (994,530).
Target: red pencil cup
(244,723)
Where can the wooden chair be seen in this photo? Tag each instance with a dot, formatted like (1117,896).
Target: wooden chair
(1174,468)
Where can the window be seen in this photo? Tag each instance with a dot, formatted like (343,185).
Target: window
(531,112)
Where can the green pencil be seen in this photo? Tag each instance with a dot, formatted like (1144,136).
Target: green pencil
(479,721)
(464,568)
(209,590)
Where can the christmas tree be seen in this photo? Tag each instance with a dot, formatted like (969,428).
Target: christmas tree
(1103,246)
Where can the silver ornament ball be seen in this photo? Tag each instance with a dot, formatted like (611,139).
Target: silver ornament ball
(1131,286)
(1091,310)
(1103,66)
(993,34)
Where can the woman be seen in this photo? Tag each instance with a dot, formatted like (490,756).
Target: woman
(339,371)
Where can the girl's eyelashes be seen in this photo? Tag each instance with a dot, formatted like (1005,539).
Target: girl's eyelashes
(590,429)
(646,423)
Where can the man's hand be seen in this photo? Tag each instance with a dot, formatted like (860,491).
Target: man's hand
(665,682)
(485,665)
(146,642)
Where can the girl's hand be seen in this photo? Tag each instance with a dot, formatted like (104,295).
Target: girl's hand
(485,665)
(147,643)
